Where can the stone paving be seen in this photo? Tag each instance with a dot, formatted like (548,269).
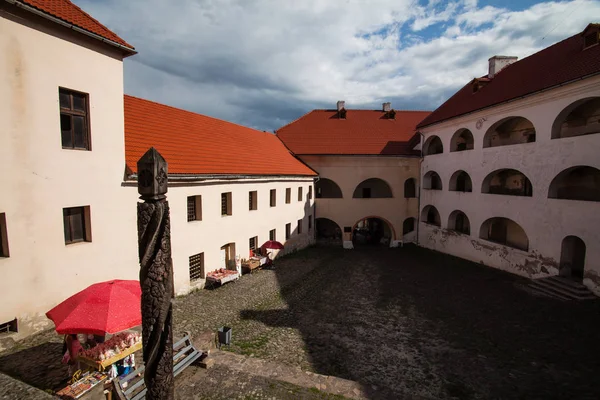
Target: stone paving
(11,388)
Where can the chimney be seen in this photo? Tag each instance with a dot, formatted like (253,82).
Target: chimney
(387,107)
(341,104)
(498,63)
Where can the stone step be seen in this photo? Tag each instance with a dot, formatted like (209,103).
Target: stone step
(562,288)
(541,290)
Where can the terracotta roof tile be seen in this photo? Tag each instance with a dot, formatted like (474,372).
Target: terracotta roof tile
(560,63)
(365,132)
(69,12)
(196,144)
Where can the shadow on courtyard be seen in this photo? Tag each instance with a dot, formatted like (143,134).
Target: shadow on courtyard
(409,323)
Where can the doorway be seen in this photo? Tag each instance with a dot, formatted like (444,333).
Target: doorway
(228,256)
(572,258)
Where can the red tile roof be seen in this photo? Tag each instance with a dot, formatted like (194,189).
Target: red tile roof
(365,132)
(560,63)
(200,145)
(69,12)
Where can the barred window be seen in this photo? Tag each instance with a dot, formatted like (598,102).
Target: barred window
(253,241)
(197,267)
(194,208)
(226,204)
(253,200)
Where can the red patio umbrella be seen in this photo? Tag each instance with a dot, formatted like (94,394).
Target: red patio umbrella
(272,244)
(106,307)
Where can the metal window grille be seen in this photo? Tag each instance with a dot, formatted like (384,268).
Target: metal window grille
(191,208)
(253,241)
(196,267)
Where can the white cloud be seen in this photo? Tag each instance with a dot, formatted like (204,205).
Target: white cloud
(262,63)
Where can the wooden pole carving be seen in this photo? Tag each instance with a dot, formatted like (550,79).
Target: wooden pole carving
(156,275)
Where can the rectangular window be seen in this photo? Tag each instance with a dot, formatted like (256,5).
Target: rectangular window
(310,192)
(273,197)
(253,200)
(300,193)
(197,267)
(366,193)
(74,120)
(272,234)
(309,222)
(194,208)
(10,326)
(3,236)
(299,226)
(252,242)
(288,195)
(77,224)
(226,204)
(288,231)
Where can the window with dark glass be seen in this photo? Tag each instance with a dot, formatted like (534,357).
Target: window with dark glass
(288,195)
(74,120)
(252,242)
(288,231)
(310,192)
(300,194)
(299,226)
(77,224)
(3,236)
(273,197)
(272,234)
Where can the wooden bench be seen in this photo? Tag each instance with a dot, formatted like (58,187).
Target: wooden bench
(132,385)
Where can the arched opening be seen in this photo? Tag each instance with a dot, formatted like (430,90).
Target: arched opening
(431,216)
(576,183)
(408,225)
(462,140)
(460,181)
(433,145)
(507,181)
(572,258)
(507,131)
(504,231)
(372,188)
(432,181)
(327,189)
(228,256)
(410,188)
(328,232)
(372,231)
(580,118)
(458,221)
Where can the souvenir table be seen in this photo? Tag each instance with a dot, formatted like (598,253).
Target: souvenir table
(113,350)
(82,386)
(222,276)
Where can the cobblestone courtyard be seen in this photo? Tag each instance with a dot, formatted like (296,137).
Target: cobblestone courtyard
(403,323)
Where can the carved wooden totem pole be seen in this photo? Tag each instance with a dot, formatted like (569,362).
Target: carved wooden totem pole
(156,275)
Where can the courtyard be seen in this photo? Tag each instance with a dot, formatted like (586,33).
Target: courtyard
(402,323)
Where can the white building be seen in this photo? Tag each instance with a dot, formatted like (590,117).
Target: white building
(68,153)
(511,172)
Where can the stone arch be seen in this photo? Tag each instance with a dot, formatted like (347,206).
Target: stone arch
(408,225)
(576,183)
(328,230)
(572,258)
(410,188)
(432,181)
(327,189)
(460,181)
(459,222)
(579,118)
(462,140)
(508,182)
(372,188)
(505,232)
(509,131)
(369,224)
(431,216)
(433,145)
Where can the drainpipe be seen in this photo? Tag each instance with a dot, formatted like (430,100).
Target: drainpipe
(420,185)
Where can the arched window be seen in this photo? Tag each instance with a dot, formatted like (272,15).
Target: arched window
(408,226)
(410,189)
(579,118)
(460,181)
(327,189)
(372,188)
(459,222)
(462,140)
(511,130)
(431,216)
(504,231)
(507,181)
(433,145)
(576,183)
(432,181)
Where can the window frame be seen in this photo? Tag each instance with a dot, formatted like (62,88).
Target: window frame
(288,195)
(4,249)
(198,268)
(226,204)
(300,223)
(252,200)
(273,197)
(300,193)
(71,112)
(85,222)
(9,327)
(288,230)
(195,203)
(310,192)
(250,243)
(273,234)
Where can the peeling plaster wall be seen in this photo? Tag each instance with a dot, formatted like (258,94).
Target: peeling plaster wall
(545,221)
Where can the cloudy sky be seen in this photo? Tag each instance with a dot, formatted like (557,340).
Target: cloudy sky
(263,63)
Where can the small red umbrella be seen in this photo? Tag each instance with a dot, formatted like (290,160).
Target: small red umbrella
(106,307)
(272,244)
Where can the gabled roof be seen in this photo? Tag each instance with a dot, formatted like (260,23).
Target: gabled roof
(362,132)
(70,13)
(195,144)
(560,63)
